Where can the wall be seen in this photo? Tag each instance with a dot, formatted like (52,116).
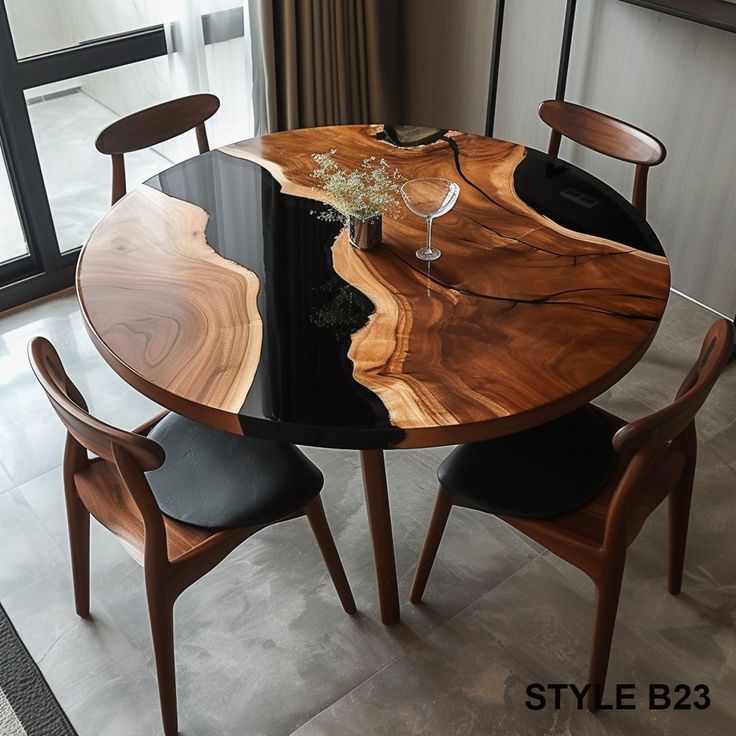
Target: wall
(447,61)
(38,26)
(667,75)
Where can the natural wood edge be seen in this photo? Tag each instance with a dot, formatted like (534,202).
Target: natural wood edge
(455,434)
(249,151)
(429,398)
(252,150)
(184,260)
(504,180)
(375,350)
(379,349)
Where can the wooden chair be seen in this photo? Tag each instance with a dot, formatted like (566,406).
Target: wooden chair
(154,125)
(584,485)
(606,135)
(189,471)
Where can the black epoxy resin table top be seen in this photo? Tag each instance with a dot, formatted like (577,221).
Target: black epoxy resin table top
(216,290)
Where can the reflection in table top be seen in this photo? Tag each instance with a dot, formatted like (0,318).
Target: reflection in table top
(549,289)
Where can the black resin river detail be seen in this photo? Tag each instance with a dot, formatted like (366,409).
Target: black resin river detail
(549,289)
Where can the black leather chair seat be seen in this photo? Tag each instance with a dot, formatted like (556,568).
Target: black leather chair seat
(541,472)
(216,479)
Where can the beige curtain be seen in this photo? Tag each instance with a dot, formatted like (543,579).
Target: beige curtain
(324,62)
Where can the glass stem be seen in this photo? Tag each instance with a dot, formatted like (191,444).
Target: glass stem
(428,241)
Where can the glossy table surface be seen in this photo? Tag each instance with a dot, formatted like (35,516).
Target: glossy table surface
(215,290)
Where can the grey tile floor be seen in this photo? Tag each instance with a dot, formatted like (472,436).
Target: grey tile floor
(263,647)
(77,176)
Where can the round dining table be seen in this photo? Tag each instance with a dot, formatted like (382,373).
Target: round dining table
(218,290)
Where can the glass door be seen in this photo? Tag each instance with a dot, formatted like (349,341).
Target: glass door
(13,245)
(67,69)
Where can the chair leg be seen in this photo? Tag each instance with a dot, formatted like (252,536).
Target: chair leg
(78,523)
(161,614)
(77,519)
(679,517)
(318,521)
(608,589)
(441,512)
(678,520)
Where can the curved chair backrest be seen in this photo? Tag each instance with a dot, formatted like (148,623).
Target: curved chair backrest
(645,440)
(666,424)
(154,125)
(131,453)
(69,404)
(607,135)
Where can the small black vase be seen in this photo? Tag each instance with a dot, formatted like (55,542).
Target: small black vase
(365,232)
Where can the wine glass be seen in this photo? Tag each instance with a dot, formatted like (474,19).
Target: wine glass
(430,198)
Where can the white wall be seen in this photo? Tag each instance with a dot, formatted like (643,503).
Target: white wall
(38,26)
(670,76)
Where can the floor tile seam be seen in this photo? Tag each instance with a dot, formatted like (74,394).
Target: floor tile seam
(631,395)
(731,425)
(627,617)
(538,556)
(34,477)
(5,470)
(138,652)
(96,603)
(486,591)
(521,536)
(424,523)
(108,666)
(432,493)
(57,639)
(412,647)
(79,619)
(420,641)
(722,460)
(60,547)
(348,692)
(134,656)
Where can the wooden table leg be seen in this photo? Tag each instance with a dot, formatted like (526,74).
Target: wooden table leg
(379,521)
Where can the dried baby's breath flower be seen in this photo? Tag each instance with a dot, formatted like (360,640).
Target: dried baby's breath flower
(365,192)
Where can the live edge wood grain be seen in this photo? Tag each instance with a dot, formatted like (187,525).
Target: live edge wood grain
(178,321)
(519,321)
